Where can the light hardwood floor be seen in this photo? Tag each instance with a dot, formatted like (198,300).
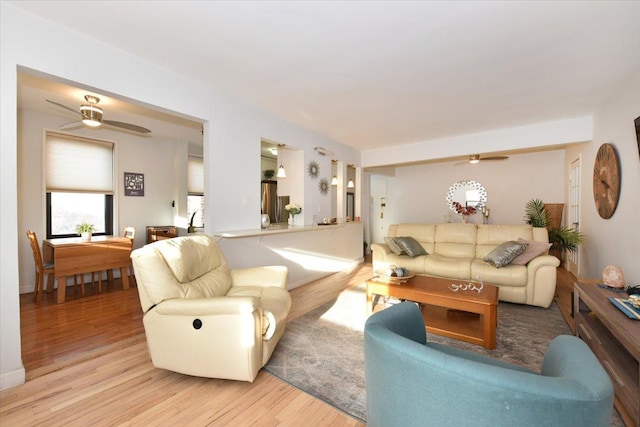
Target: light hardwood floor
(87,364)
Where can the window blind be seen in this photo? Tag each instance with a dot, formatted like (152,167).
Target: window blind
(195,176)
(78,164)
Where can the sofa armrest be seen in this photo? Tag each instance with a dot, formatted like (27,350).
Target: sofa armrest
(275,275)
(208,306)
(380,248)
(543,261)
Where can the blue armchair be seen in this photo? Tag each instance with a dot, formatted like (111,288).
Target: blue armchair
(410,382)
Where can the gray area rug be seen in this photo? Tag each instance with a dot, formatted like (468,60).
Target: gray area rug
(322,352)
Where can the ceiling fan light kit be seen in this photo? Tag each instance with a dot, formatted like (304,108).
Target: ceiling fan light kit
(475,159)
(91,115)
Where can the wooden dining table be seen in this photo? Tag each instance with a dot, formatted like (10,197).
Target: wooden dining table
(72,255)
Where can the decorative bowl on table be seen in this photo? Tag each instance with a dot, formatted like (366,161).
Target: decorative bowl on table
(384,275)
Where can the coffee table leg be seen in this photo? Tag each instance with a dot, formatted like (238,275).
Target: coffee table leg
(490,323)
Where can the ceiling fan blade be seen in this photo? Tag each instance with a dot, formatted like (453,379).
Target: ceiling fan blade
(64,106)
(127,126)
(494,158)
(71,125)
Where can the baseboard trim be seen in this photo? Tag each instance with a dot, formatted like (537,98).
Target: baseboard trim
(12,379)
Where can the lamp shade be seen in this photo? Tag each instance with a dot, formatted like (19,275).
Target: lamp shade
(334,180)
(281,172)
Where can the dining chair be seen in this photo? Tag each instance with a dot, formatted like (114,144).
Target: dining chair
(130,232)
(41,268)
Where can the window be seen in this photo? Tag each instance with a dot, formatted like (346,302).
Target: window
(195,190)
(79,181)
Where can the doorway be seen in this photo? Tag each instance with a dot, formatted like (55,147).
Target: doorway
(573,258)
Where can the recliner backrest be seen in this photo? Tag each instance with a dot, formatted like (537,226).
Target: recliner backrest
(182,267)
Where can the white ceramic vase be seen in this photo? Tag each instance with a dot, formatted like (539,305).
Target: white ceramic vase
(85,237)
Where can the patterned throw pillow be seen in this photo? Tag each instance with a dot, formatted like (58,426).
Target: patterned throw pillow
(533,250)
(391,242)
(410,246)
(505,253)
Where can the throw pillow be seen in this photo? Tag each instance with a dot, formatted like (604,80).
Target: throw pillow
(533,250)
(391,242)
(410,246)
(505,253)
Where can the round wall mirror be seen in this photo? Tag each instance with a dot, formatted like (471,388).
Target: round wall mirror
(467,194)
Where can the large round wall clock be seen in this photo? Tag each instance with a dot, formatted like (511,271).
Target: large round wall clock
(606,180)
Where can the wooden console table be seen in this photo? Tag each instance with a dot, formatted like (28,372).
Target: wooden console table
(161,232)
(615,340)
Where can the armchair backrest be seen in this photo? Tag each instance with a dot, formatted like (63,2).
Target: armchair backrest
(183,267)
(413,382)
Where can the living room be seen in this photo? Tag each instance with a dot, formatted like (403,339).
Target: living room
(552,143)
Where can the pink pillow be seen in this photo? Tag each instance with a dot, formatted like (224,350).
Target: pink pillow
(533,249)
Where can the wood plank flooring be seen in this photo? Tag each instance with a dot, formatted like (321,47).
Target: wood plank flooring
(87,364)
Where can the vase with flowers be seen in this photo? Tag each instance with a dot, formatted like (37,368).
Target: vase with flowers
(464,211)
(292,209)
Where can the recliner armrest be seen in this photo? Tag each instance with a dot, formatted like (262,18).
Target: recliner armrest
(208,306)
(275,275)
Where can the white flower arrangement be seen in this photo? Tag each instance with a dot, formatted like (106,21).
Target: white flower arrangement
(293,208)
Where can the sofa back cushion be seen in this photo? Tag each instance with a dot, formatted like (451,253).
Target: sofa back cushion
(490,236)
(423,233)
(184,267)
(456,240)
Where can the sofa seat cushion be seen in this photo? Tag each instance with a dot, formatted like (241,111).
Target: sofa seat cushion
(275,303)
(415,265)
(451,267)
(509,275)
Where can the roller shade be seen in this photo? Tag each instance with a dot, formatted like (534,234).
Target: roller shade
(78,164)
(195,176)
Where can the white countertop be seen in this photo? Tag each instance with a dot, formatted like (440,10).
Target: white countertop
(278,229)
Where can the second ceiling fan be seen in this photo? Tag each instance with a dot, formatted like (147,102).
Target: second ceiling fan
(475,158)
(91,115)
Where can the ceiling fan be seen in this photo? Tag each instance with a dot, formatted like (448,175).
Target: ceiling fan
(475,158)
(91,115)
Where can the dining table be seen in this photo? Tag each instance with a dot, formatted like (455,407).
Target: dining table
(73,255)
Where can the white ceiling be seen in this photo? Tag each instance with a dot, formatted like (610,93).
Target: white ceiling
(374,74)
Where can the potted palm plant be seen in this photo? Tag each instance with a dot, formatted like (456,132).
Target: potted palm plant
(84,229)
(561,238)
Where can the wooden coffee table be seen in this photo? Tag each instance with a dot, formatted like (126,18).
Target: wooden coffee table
(463,315)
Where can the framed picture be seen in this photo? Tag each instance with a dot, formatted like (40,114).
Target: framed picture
(133,184)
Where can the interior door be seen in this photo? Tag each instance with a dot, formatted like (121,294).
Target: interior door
(573,258)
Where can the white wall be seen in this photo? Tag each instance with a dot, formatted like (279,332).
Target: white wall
(232,136)
(152,156)
(416,194)
(615,240)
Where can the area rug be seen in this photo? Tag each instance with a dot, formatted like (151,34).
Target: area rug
(322,352)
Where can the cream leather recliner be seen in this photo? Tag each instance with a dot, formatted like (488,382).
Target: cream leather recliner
(203,319)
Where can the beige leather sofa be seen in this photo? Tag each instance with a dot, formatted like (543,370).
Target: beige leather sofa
(203,319)
(457,251)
